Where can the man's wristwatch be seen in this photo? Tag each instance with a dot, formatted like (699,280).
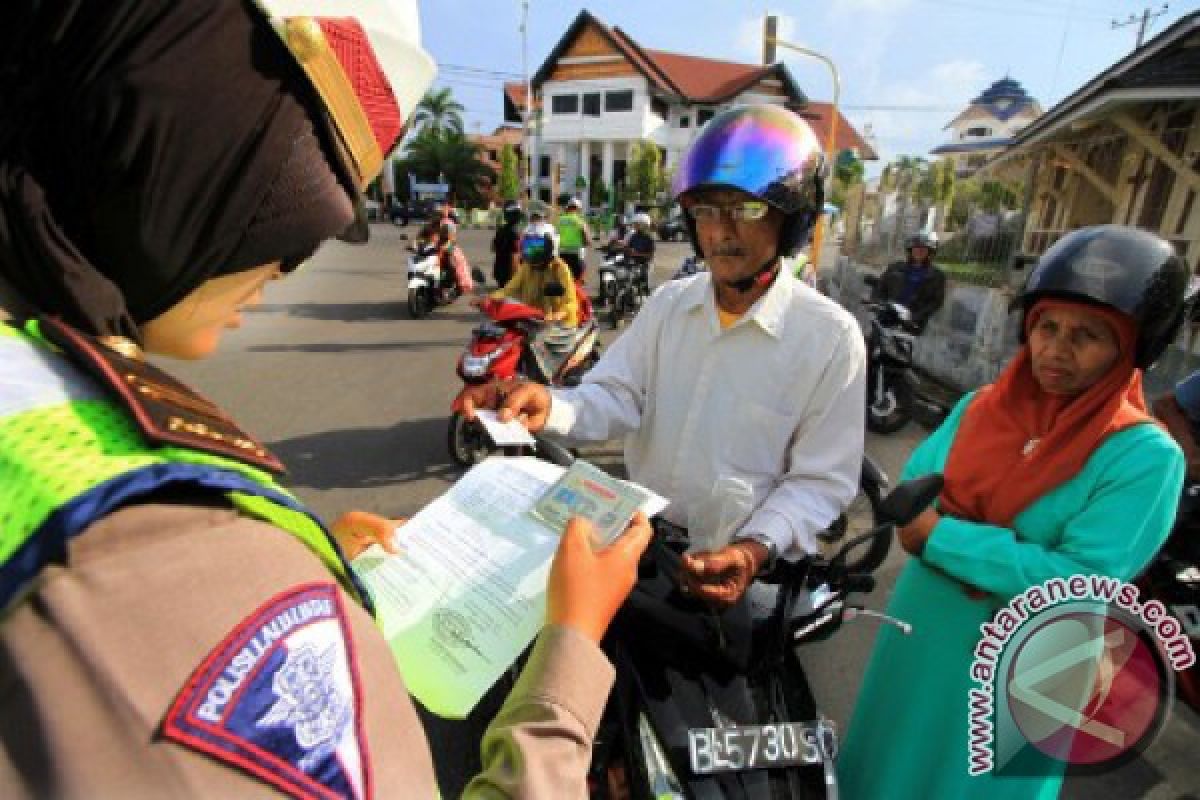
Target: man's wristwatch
(767,542)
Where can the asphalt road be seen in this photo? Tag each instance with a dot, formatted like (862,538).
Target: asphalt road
(354,397)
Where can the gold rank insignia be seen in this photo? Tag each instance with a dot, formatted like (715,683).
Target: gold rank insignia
(166,411)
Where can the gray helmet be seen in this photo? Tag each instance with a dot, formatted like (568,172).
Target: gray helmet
(927,240)
(1127,269)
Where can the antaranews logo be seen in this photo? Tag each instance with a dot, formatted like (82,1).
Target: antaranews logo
(1076,671)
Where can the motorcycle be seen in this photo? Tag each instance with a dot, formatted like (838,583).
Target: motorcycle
(1173,578)
(431,286)
(624,284)
(896,390)
(717,705)
(516,340)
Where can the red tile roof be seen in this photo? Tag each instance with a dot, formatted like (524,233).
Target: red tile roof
(817,115)
(516,95)
(706,79)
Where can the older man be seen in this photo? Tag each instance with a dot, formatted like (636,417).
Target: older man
(739,373)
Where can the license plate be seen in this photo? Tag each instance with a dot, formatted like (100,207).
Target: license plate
(785,744)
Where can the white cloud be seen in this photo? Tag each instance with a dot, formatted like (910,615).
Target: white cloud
(750,35)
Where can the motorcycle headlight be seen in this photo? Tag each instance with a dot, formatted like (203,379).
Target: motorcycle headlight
(474,366)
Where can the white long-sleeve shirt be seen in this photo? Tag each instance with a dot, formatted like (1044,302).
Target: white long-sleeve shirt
(776,400)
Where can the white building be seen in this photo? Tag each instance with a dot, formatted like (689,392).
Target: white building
(599,92)
(988,125)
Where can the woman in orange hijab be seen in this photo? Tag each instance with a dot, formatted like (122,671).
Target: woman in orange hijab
(1054,470)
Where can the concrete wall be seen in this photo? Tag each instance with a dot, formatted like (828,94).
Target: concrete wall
(973,336)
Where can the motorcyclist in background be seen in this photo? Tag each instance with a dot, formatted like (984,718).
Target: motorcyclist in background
(538,268)
(639,244)
(915,283)
(505,244)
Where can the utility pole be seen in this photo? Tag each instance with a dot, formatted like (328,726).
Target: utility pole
(527,143)
(1143,21)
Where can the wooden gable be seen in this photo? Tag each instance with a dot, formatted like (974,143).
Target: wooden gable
(604,59)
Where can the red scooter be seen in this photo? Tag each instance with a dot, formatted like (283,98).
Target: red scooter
(518,341)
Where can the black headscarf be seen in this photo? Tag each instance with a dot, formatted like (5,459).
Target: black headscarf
(147,146)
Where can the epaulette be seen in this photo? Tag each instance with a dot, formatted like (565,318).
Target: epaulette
(166,411)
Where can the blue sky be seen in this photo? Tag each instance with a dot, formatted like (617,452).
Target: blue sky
(933,54)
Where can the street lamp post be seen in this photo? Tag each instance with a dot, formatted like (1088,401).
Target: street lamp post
(833,129)
(527,151)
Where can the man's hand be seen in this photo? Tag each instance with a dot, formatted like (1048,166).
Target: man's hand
(721,578)
(914,535)
(512,399)
(355,531)
(588,586)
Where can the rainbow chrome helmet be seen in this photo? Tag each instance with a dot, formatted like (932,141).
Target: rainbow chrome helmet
(763,150)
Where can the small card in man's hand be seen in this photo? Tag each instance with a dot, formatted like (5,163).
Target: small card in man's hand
(586,491)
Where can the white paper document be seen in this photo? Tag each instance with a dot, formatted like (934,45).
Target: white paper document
(467,593)
(504,434)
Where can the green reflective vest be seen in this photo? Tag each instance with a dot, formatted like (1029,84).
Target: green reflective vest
(69,456)
(570,233)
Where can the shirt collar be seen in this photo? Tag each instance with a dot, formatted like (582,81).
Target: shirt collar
(768,312)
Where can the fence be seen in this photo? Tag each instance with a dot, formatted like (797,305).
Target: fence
(976,247)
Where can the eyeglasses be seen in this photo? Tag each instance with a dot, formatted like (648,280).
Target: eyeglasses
(748,211)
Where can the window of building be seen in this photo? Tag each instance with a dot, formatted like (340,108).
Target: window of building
(492,155)
(544,167)
(591,104)
(564,104)
(685,121)
(704,116)
(619,101)
(659,107)
(979,131)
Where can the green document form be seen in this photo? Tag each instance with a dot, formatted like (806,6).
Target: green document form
(468,592)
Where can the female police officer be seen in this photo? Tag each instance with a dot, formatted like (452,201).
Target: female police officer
(175,623)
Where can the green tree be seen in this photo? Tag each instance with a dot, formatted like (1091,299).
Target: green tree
(645,171)
(939,183)
(450,155)
(848,172)
(439,111)
(599,194)
(510,182)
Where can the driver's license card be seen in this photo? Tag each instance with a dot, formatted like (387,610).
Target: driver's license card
(586,491)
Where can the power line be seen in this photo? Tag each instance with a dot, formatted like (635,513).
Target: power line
(1144,20)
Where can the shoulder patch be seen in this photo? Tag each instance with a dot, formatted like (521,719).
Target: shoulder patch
(165,411)
(280,698)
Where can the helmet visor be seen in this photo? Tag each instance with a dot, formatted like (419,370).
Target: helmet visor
(535,249)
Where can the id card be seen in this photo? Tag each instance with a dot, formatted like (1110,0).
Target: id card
(588,492)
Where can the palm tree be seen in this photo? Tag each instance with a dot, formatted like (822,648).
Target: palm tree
(439,111)
(450,156)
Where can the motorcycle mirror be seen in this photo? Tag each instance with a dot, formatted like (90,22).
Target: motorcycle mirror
(477,275)
(871,280)
(552,451)
(906,502)
(554,290)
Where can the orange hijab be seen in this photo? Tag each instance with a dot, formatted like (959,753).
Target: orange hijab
(1017,442)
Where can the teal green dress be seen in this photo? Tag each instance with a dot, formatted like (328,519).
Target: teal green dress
(908,736)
